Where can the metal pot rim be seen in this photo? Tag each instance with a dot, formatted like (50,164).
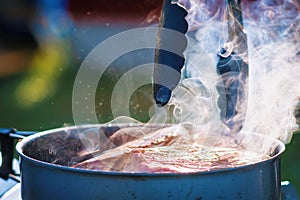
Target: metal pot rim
(21,144)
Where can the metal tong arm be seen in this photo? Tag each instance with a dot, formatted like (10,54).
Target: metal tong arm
(168,65)
(237,34)
(233,68)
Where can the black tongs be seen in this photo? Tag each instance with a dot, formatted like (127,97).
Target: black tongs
(168,65)
(232,64)
(233,68)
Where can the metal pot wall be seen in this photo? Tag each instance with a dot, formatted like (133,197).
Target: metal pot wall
(42,180)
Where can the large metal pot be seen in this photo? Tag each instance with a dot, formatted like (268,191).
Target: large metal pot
(42,180)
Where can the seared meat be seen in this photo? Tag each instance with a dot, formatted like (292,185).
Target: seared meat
(169,150)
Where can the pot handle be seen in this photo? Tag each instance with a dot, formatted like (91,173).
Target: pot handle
(288,191)
(7,137)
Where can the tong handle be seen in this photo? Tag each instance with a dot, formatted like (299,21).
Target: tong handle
(168,65)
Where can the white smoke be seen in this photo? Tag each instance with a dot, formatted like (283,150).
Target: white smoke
(273,32)
(274,72)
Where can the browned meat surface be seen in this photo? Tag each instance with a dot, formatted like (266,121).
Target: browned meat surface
(168,151)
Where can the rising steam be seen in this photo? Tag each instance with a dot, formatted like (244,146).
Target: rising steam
(273,32)
(273,86)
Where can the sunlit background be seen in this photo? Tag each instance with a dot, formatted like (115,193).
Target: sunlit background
(43,43)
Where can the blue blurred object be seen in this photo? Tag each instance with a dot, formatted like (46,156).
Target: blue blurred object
(56,16)
(288,191)
(6,185)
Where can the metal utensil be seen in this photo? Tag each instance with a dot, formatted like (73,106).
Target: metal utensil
(233,68)
(168,65)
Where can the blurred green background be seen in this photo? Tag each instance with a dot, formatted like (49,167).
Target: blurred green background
(43,43)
